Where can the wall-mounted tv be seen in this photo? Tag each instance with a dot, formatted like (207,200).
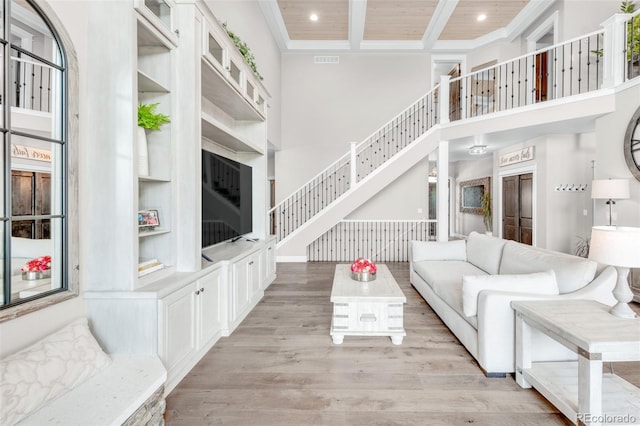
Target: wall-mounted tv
(226,199)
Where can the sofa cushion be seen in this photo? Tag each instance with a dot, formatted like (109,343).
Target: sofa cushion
(536,283)
(485,252)
(47,369)
(451,294)
(441,272)
(572,272)
(432,250)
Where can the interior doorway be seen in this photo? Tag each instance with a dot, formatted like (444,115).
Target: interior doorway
(517,208)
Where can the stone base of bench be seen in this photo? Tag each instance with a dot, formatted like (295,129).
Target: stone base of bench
(151,412)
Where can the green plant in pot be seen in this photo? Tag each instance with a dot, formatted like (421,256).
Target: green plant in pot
(149,119)
(485,207)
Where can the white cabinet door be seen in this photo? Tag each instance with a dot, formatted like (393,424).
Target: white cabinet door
(239,289)
(177,341)
(254,275)
(210,309)
(269,264)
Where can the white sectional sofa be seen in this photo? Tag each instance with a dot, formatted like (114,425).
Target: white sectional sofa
(496,272)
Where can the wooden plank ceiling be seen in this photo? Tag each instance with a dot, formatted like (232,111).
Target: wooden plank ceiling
(395,19)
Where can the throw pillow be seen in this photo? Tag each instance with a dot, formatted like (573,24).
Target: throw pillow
(47,369)
(536,283)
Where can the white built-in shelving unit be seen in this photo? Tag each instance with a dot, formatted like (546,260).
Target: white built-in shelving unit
(177,55)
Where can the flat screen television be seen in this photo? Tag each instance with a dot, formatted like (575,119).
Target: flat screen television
(226,199)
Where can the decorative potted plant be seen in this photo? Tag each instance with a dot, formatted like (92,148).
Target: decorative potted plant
(486,212)
(244,50)
(147,119)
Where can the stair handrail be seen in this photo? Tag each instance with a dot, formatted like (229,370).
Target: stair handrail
(348,154)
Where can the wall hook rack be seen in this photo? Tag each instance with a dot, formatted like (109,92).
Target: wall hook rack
(571,187)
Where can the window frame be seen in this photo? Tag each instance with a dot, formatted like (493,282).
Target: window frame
(69,163)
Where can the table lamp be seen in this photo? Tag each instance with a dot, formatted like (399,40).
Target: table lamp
(618,246)
(610,189)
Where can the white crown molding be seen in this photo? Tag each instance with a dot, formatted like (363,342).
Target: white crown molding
(316,45)
(394,45)
(527,17)
(272,15)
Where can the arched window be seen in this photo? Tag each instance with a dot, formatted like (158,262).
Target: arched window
(38,239)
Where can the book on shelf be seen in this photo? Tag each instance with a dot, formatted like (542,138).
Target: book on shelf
(150,269)
(143,264)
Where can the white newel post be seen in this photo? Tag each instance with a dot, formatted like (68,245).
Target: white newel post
(442,186)
(445,80)
(354,165)
(614,61)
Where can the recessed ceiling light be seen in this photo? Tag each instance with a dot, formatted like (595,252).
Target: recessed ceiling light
(313,17)
(477,149)
(481,17)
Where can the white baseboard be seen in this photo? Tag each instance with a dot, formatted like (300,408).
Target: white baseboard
(297,259)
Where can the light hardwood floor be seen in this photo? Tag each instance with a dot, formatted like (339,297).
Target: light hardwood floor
(280,367)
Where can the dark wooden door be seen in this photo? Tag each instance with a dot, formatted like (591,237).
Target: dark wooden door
(541,77)
(517,208)
(30,195)
(454,94)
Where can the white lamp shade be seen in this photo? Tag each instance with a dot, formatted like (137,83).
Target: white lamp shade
(614,189)
(615,245)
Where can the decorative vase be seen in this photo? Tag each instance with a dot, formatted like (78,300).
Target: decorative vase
(363,276)
(36,275)
(143,153)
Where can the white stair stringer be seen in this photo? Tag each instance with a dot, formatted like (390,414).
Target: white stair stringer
(295,244)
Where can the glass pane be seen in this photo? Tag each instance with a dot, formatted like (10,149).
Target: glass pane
(215,49)
(235,72)
(36,263)
(2,263)
(31,33)
(36,184)
(161,10)
(34,86)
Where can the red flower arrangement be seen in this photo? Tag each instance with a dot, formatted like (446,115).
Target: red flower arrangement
(42,263)
(361,265)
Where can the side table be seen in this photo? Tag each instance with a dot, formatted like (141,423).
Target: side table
(579,389)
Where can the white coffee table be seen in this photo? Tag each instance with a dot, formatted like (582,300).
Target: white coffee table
(579,389)
(367,309)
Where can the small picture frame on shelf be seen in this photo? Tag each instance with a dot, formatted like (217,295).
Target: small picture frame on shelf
(148,219)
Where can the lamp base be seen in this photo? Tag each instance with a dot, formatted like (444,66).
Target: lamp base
(622,310)
(623,295)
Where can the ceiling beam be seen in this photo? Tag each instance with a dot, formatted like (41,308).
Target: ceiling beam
(357,15)
(526,17)
(439,20)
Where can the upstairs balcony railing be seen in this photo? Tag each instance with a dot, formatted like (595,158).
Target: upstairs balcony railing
(31,84)
(571,68)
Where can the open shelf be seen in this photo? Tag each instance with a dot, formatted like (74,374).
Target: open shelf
(222,134)
(158,231)
(148,84)
(218,90)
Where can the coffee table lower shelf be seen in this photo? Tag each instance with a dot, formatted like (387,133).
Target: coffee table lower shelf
(558,382)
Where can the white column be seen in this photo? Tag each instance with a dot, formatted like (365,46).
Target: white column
(354,158)
(443,98)
(614,61)
(442,231)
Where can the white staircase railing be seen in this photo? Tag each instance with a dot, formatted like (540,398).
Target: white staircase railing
(338,178)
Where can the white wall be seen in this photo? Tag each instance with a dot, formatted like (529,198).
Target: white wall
(327,106)
(405,198)
(245,19)
(610,161)
(559,216)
